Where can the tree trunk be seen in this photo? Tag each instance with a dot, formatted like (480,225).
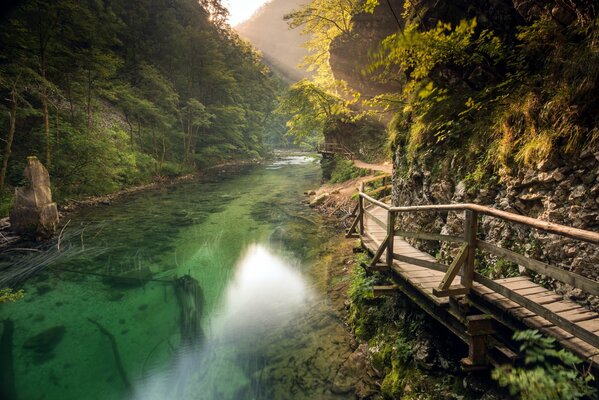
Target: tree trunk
(130,130)
(89,100)
(139,136)
(9,139)
(47,127)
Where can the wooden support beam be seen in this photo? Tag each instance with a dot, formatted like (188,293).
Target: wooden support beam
(390,236)
(352,229)
(455,290)
(478,327)
(379,267)
(361,209)
(470,228)
(422,263)
(454,268)
(386,290)
(379,252)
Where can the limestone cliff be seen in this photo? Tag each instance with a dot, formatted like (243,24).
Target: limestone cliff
(564,188)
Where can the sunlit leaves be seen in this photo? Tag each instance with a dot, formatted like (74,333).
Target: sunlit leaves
(310,107)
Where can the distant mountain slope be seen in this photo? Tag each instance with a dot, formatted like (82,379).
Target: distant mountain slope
(268,32)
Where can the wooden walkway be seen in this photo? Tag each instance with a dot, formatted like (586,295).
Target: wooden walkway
(482,312)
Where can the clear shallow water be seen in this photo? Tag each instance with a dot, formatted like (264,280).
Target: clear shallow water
(86,330)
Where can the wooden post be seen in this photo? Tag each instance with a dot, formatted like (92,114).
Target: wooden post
(391,236)
(470,229)
(479,327)
(361,208)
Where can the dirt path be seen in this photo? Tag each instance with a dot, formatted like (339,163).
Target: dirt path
(385,167)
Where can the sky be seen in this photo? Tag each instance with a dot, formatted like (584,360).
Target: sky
(240,10)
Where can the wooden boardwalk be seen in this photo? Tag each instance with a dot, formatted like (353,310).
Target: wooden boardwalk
(481,311)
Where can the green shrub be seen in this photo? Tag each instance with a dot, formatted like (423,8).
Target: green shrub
(345,170)
(547,373)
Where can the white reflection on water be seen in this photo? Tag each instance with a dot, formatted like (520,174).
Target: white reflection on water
(266,291)
(290,160)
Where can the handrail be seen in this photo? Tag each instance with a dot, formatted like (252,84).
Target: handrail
(562,230)
(464,262)
(335,148)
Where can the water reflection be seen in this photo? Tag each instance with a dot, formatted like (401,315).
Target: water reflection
(266,292)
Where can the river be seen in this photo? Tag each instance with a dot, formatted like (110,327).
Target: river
(109,317)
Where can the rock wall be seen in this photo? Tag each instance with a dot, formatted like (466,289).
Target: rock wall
(564,190)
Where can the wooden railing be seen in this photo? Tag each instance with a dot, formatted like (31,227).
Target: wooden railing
(464,262)
(336,148)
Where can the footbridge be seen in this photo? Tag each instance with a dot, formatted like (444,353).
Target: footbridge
(482,312)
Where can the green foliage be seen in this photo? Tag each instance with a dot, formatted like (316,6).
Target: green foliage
(345,170)
(324,21)
(360,294)
(547,373)
(109,94)
(309,109)
(433,112)
(8,295)
(552,110)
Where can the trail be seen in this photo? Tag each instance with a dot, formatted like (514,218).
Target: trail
(386,167)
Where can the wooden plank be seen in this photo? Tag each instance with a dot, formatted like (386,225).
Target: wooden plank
(454,268)
(563,323)
(519,285)
(588,285)
(423,273)
(513,279)
(591,325)
(429,236)
(579,346)
(579,315)
(530,291)
(423,263)
(561,306)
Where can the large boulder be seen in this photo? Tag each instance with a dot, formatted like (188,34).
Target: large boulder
(34,214)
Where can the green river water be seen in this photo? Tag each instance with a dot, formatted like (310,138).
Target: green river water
(267,330)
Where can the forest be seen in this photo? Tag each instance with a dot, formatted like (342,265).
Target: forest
(109,94)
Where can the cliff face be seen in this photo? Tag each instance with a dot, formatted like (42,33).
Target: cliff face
(281,46)
(563,189)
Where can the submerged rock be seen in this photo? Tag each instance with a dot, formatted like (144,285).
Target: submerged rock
(46,341)
(34,214)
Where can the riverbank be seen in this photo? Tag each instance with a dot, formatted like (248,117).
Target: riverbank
(407,353)
(10,239)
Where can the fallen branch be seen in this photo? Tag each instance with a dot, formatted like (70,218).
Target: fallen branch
(115,353)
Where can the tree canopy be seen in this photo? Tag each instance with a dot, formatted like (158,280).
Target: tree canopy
(112,93)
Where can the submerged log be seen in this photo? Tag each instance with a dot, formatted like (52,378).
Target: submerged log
(191,301)
(8,389)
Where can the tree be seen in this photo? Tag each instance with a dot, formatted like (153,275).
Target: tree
(310,108)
